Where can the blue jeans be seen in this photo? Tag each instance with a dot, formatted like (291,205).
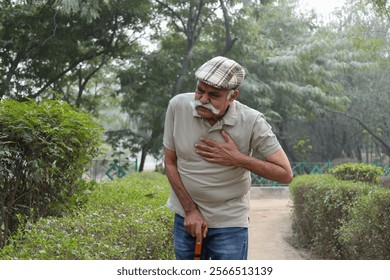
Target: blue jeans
(220,243)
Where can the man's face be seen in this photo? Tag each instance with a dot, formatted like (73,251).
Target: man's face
(207,95)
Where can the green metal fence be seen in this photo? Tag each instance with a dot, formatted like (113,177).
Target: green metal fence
(103,169)
(109,169)
(301,168)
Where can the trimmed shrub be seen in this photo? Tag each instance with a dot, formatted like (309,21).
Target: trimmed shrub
(358,172)
(124,219)
(321,204)
(367,234)
(44,150)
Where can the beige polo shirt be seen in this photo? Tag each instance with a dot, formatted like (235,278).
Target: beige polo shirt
(221,192)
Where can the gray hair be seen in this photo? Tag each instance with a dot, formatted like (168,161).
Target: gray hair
(230,93)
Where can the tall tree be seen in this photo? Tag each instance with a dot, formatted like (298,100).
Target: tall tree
(368,90)
(292,67)
(46,44)
(189,19)
(146,91)
(359,130)
(149,83)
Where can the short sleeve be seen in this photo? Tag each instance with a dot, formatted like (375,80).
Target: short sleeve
(168,140)
(263,141)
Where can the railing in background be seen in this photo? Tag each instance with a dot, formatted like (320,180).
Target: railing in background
(301,168)
(104,169)
(108,169)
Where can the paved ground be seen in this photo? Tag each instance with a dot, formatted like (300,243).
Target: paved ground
(270,229)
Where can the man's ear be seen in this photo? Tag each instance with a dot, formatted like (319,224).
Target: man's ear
(234,95)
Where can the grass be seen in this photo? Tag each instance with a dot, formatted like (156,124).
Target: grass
(124,219)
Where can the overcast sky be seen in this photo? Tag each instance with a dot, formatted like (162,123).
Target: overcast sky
(322,7)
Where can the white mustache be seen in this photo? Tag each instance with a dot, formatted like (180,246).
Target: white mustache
(208,106)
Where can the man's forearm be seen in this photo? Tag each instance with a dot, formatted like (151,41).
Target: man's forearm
(194,221)
(177,185)
(267,169)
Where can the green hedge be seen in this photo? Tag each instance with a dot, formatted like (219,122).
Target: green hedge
(338,219)
(358,172)
(367,234)
(124,219)
(321,205)
(44,150)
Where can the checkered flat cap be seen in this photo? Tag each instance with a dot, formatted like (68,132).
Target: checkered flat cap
(221,72)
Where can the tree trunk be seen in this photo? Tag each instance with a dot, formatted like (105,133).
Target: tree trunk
(229,42)
(184,69)
(144,153)
(385,146)
(192,34)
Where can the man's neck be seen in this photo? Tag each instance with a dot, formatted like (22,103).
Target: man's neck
(213,121)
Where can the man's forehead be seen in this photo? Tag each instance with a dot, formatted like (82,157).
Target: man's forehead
(204,86)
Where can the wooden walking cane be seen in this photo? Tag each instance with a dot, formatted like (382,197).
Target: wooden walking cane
(198,247)
(198,244)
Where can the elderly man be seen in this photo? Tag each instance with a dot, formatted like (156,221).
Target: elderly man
(209,139)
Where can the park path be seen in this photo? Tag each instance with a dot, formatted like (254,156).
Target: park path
(270,226)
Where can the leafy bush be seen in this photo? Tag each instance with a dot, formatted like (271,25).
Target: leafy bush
(44,150)
(367,234)
(124,219)
(358,172)
(321,206)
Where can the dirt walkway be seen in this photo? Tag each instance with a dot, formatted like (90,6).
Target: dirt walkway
(270,229)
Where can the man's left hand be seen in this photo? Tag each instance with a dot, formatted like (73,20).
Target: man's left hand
(221,153)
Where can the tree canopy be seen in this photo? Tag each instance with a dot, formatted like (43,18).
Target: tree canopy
(323,87)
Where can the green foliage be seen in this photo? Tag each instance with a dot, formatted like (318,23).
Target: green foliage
(124,219)
(297,70)
(358,172)
(89,34)
(44,151)
(87,9)
(303,147)
(146,95)
(338,219)
(367,234)
(381,6)
(294,69)
(321,206)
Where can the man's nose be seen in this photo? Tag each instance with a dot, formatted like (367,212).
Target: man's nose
(204,98)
